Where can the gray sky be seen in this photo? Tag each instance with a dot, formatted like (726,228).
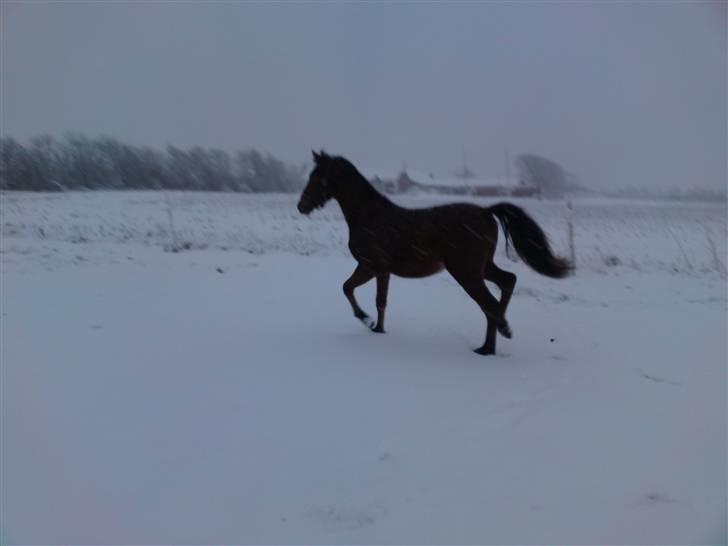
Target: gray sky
(620,93)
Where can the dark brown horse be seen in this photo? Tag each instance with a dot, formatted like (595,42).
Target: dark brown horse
(388,239)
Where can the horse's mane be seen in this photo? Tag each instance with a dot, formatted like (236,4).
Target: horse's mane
(347,170)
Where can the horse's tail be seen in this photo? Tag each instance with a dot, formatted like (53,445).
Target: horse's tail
(530,241)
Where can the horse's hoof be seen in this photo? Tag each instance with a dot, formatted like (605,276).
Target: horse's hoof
(485,351)
(368,322)
(505,330)
(378,329)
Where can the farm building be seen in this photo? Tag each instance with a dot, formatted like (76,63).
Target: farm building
(410,182)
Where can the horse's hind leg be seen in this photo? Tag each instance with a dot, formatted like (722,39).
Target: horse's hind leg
(506,282)
(360,276)
(382,289)
(474,285)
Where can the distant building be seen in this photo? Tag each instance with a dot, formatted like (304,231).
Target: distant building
(404,182)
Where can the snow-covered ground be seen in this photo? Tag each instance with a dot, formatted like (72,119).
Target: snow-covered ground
(680,238)
(226,394)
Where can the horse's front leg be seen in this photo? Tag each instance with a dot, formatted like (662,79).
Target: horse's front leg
(382,289)
(360,276)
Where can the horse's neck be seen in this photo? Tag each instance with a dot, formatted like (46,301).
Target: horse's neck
(359,196)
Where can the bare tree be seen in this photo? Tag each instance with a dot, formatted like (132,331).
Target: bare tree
(548,176)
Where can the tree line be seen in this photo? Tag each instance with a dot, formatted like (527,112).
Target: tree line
(77,162)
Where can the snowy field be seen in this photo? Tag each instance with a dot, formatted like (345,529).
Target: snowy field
(225,394)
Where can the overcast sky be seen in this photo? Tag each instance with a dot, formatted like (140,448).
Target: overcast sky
(622,94)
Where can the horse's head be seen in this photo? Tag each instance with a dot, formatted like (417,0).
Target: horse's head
(319,188)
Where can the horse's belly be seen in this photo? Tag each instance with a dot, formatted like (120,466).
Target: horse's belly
(417,270)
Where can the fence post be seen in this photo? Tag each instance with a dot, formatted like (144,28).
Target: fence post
(170,217)
(570,224)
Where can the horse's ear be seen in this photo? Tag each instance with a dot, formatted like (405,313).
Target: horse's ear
(316,156)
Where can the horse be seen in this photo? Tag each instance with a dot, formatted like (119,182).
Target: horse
(387,239)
